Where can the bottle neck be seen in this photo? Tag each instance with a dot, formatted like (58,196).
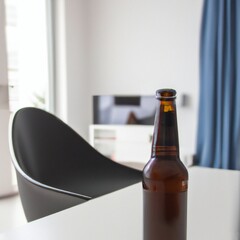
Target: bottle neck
(165,137)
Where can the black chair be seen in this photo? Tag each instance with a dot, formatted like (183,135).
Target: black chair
(56,168)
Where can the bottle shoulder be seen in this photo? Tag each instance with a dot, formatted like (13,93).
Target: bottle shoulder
(163,169)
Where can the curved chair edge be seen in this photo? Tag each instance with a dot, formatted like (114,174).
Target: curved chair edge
(24,175)
(39,202)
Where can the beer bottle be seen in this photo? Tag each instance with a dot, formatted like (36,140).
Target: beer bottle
(165,178)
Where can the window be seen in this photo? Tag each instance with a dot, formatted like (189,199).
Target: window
(27,50)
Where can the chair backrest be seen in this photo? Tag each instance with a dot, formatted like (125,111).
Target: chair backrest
(48,150)
(56,168)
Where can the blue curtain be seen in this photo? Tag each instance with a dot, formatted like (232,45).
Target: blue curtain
(218,139)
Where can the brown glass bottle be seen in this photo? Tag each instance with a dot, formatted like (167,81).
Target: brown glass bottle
(165,178)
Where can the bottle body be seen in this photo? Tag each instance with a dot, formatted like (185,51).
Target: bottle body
(165,182)
(165,200)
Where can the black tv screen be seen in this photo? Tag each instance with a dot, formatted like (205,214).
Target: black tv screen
(108,109)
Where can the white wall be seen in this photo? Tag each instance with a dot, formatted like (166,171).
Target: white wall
(70,55)
(132,47)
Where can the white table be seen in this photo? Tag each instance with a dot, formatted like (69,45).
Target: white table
(213,213)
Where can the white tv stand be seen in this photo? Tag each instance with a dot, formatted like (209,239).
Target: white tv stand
(128,144)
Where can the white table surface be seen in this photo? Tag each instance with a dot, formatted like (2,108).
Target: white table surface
(213,213)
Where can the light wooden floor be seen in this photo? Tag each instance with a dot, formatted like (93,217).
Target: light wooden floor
(11,213)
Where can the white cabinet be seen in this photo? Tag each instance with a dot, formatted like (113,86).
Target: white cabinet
(130,144)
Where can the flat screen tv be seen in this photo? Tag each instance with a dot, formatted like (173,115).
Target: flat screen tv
(120,110)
